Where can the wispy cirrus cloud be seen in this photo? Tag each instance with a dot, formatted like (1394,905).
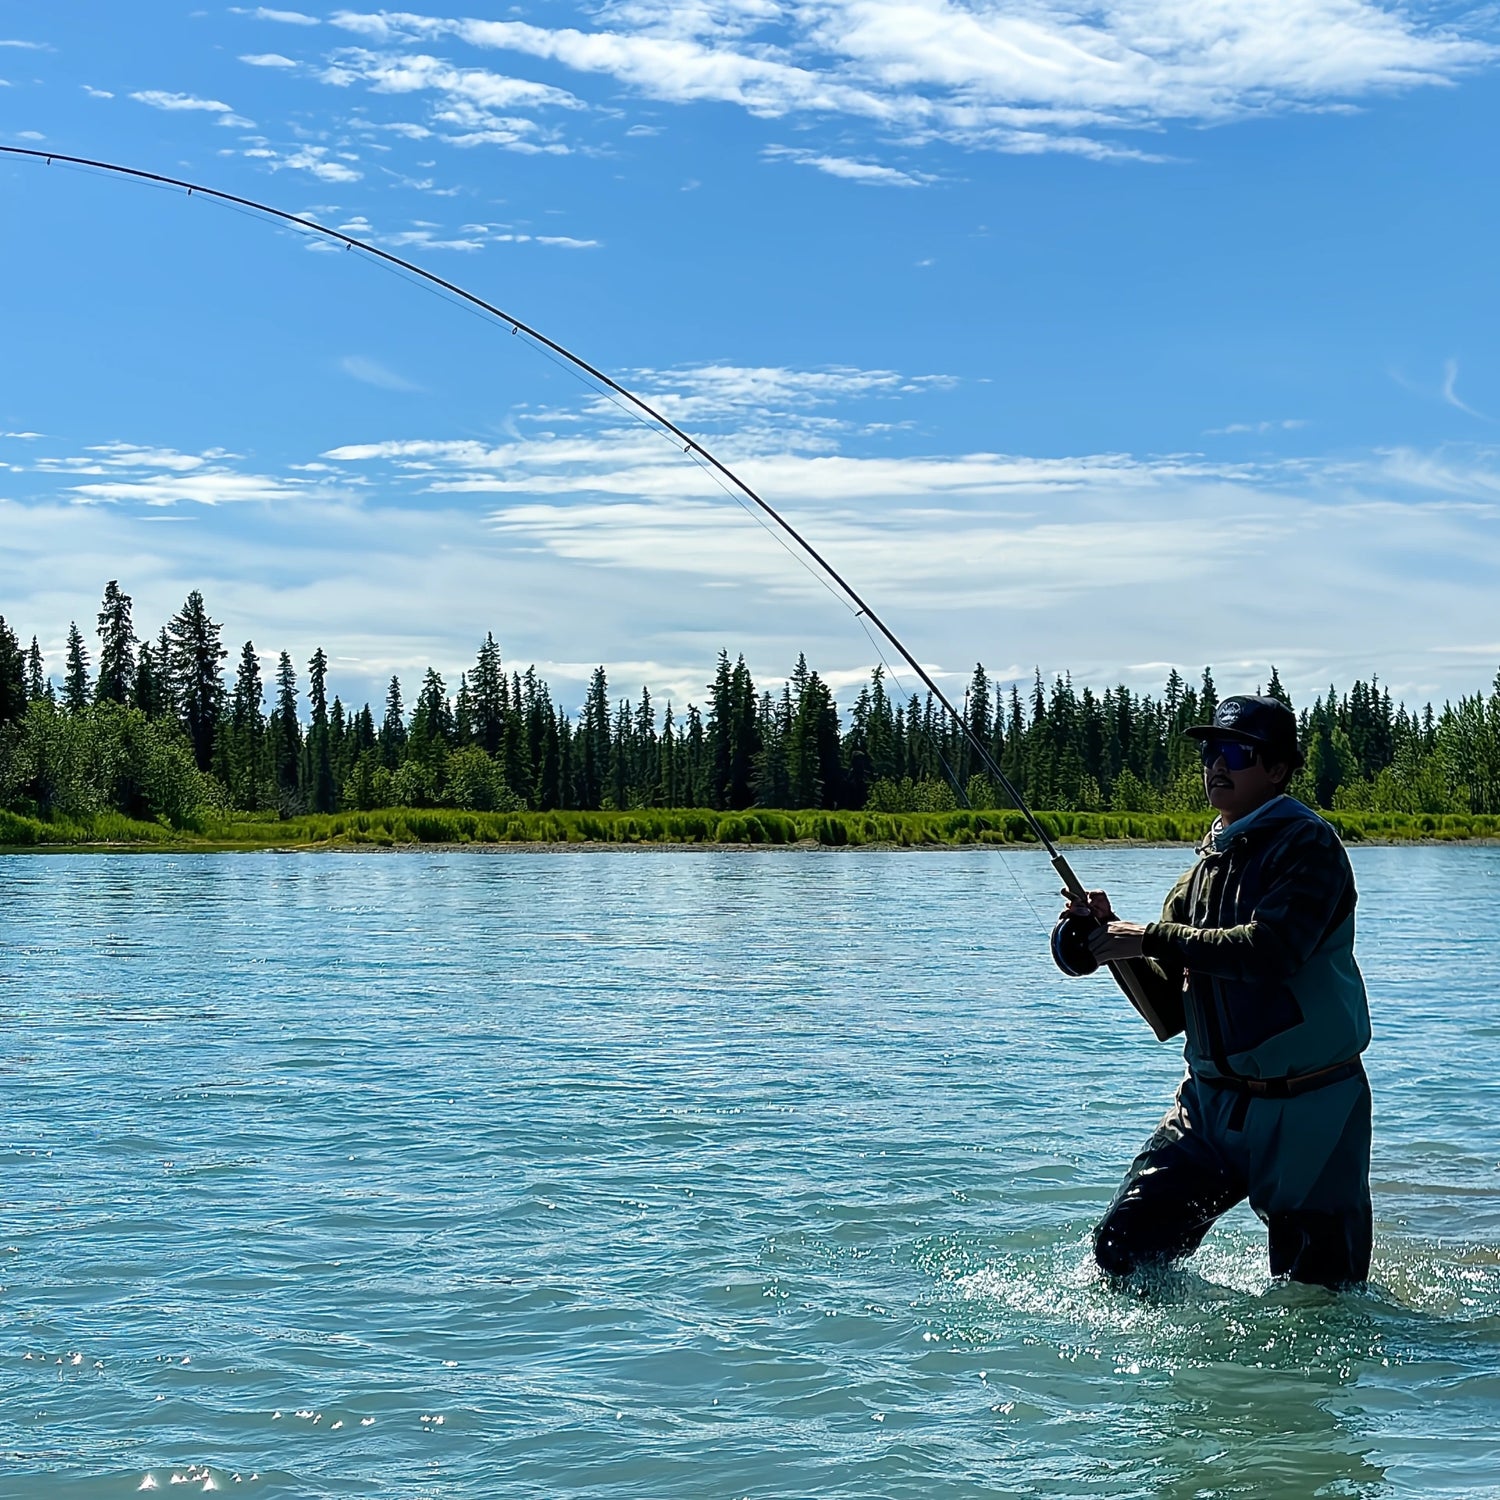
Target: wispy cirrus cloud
(426,235)
(873,174)
(1450,391)
(165,99)
(282,17)
(1260,429)
(371,372)
(123,473)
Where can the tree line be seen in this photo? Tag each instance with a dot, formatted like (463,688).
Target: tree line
(159,728)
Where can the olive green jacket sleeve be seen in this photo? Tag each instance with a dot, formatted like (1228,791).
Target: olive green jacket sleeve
(1161,975)
(1309,890)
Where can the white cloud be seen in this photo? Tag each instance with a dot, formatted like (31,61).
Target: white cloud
(1286,424)
(267,60)
(469,106)
(285,17)
(313,160)
(602,541)
(27,46)
(1046,77)
(135,474)
(371,372)
(871,173)
(94,93)
(162,99)
(424,235)
(1450,391)
(418,73)
(970,549)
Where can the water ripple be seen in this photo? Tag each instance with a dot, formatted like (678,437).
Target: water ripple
(677,1175)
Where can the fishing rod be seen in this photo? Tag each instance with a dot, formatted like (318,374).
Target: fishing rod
(1069,943)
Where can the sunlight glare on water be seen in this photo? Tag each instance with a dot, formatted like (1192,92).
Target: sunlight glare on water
(664,1174)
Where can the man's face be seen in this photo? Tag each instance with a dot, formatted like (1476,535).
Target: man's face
(1235,778)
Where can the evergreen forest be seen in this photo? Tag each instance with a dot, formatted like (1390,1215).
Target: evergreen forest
(170,729)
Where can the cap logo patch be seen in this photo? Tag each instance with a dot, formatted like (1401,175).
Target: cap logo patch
(1228,713)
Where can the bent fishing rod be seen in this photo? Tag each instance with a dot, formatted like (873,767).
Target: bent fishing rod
(1122,970)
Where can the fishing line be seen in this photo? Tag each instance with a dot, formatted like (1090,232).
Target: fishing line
(632,413)
(606,383)
(961,792)
(1123,971)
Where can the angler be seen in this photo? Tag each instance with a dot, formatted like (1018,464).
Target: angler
(1254,959)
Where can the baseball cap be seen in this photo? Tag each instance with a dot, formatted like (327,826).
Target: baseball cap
(1266,722)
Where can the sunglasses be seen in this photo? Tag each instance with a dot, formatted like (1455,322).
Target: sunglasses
(1236,754)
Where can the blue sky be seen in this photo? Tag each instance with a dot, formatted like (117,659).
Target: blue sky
(1105,338)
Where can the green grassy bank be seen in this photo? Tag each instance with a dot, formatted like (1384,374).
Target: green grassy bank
(394,827)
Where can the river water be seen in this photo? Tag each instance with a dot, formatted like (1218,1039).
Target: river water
(706,1174)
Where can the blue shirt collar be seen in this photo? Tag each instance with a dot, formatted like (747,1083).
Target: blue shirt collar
(1222,833)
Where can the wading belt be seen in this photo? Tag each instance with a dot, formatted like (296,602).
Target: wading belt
(1279,1088)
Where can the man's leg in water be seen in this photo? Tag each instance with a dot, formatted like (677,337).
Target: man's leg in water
(1310,1182)
(1174,1191)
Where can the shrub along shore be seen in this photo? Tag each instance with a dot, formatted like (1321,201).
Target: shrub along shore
(405,827)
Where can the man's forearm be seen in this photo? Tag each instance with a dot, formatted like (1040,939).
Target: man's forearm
(1252,950)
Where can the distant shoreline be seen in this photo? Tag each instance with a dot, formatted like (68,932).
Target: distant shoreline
(604,846)
(686,828)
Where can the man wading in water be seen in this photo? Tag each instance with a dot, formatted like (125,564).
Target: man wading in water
(1254,957)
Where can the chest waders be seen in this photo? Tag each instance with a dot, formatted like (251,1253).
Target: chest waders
(1295,1143)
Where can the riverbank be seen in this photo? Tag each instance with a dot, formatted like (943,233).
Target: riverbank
(390,828)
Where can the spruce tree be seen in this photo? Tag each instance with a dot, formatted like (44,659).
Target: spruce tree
(146,694)
(646,772)
(116,647)
(12,675)
(620,756)
(393,727)
(487,686)
(744,726)
(321,788)
(979,718)
(522,737)
(432,719)
(804,744)
(37,685)
(592,752)
(666,760)
(164,684)
(76,679)
(463,713)
(553,760)
(695,780)
(1208,696)
(286,737)
(247,736)
(199,680)
(721,732)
